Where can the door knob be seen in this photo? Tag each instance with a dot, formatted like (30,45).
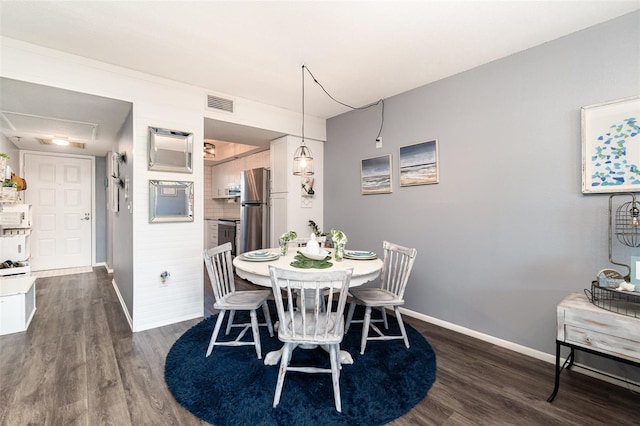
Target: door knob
(87,216)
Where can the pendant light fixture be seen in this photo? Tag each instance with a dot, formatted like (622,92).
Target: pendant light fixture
(209,150)
(302,159)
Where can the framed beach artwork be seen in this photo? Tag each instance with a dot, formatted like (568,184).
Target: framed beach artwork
(419,164)
(611,146)
(376,175)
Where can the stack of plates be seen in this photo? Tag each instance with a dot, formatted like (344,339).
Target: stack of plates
(359,254)
(260,256)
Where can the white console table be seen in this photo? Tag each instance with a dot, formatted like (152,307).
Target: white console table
(588,328)
(17,303)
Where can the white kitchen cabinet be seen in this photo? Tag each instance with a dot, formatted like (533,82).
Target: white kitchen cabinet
(279,165)
(278,217)
(223,175)
(210,233)
(290,212)
(257,160)
(234,170)
(218,181)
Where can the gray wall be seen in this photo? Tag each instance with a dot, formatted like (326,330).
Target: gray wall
(122,222)
(101,210)
(507,233)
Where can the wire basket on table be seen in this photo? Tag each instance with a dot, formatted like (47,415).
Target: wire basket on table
(621,302)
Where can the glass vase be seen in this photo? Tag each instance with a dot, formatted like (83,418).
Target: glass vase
(284,245)
(339,252)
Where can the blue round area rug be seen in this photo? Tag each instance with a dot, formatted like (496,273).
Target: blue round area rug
(234,387)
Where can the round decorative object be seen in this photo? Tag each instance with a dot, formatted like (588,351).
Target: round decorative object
(627,223)
(320,255)
(232,386)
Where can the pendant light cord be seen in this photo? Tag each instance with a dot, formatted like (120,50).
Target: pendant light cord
(303,67)
(381,101)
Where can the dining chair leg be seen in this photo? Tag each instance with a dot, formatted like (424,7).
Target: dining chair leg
(365,329)
(284,363)
(384,317)
(232,314)
(352,308)
(401,324)
(256,332)
(267,317)
(216,330)
(335,375)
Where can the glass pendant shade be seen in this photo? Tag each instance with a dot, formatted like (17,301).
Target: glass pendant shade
(303,161)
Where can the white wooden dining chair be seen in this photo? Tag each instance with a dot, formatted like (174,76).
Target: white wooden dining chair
(308,328)
(397,265)
(227,299)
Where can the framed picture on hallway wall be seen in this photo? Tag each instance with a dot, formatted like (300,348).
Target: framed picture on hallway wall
(611,146)
(114,178)
(375,175)
(419,164)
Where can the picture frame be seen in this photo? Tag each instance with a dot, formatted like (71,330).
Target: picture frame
(611,146)
(635,271)
(419,164)
(170,201)
(170,150)
(375,175)
(114,178)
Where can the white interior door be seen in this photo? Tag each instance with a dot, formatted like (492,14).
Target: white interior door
(59,189)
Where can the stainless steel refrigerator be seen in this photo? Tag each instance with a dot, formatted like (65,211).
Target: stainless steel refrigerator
(254,210)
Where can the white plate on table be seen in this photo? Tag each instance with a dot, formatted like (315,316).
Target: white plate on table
(360,254)
(260,256)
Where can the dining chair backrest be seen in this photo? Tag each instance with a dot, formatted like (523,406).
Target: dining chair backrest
(311,322)
(220,270)
(396,267)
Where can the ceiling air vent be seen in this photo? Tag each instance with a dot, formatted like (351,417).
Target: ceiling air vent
(219,104)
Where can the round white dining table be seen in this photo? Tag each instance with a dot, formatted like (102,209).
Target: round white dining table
(258,273)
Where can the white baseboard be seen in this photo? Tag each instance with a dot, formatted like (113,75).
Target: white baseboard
(122,304)
(534,353)
(168,322)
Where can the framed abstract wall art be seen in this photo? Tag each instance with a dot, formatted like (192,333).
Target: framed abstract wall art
(375,176)
(419,164)
(611,146)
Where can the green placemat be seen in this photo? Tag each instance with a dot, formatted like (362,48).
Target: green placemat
(299,261)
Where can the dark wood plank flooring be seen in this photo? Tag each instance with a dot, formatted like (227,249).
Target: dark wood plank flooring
(79,363)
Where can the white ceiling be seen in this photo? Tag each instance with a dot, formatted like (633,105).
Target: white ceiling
(32,112)
(360,51)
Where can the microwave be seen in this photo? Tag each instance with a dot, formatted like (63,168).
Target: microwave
(233,190)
